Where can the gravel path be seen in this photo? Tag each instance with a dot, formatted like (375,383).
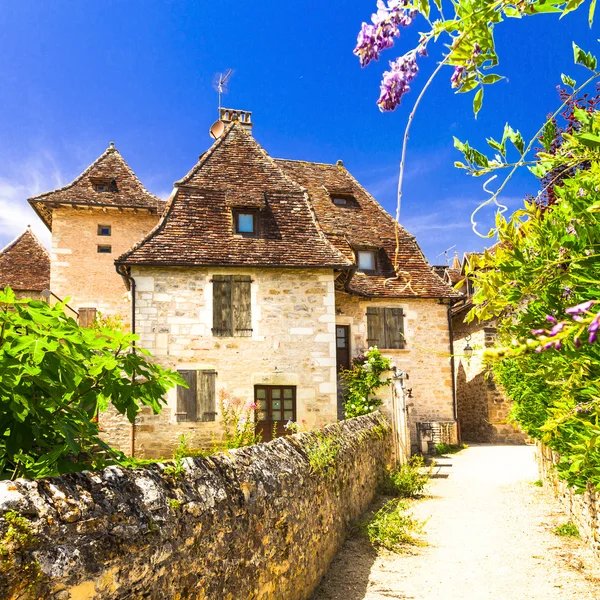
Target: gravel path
(489,536)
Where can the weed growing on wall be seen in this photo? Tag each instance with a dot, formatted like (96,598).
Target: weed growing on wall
(322,450)
(568,529)
(362,380)
(392,528)
(407,481)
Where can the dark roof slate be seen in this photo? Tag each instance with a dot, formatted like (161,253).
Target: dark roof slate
(196,228)
(364,224)
(25,264)
(124,189)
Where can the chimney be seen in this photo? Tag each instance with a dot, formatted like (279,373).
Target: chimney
(229,115)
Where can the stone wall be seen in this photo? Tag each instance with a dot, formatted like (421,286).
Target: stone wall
(426,357)
(583,509)
(482,407)
(292,343)
(253,523)
(78,271)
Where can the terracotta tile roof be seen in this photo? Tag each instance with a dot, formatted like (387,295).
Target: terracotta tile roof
(364,224)
(123,189)
(25,264)
(450,274)
(196,228)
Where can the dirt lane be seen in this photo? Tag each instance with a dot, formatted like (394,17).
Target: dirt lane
(489,535)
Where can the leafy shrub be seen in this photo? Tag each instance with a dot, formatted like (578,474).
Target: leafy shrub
(391,528)
(407,481)
(568,529)
(449,448)
(322,449)
(54,379)
(361,382)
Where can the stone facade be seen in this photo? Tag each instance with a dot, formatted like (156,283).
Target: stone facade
(292,343)
(79,271)
(426,357)
(583,509)
(482,407)
(238,526)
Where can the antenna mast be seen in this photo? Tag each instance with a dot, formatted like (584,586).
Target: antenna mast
(220,83)
(445,253)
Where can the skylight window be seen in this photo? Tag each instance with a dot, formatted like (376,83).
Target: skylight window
(367,260)
(245,222)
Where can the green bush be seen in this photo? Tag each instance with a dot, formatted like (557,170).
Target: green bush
(55,377)
(391,528)
(407,481)
(449,448)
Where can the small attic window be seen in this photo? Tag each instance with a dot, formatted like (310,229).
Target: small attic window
(339,200)
(343,199)
(104,249)
(104,185)
(104,230)
(245,222)
(367,260)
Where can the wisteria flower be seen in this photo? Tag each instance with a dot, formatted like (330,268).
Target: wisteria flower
(580,308)
(396,81)
(457,76)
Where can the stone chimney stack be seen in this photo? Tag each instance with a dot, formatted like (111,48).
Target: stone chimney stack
(227,115)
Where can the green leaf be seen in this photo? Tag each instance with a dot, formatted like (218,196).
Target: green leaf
(492,78)
(425,9)
(548,135)
(587,59)
(592,11)
(568,81)
(513,13)
(571,6)
(478,101)
(588,139)
(438,3)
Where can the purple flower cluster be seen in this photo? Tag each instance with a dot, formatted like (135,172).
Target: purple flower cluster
(575,312)
(396,81)
(457,76)
(386,23)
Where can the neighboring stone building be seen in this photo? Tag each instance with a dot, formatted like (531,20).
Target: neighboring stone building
(260,279)
(482,407)
(94,219)
(25,266)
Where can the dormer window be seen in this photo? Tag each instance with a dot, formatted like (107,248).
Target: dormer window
(104,185)
(245,222)
(339,201)
(343,199)
(367,260)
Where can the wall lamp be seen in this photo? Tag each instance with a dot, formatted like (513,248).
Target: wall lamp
(468,350)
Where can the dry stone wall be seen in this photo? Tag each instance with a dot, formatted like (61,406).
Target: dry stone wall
(255,523)
(583,509)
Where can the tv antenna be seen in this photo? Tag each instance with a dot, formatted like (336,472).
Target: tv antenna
(220,83)
(445,253)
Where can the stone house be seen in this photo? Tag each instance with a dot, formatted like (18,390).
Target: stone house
(257,280)
(482,408)
(25,266)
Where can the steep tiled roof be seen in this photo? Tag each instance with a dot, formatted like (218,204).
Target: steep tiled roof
(25,264)
(363,223)
(196,228)
(122,189)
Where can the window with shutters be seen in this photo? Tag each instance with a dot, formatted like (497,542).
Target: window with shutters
(87,316)
(385,327)
(232,313)
(197,402)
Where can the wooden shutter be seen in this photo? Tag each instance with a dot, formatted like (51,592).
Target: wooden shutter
(87,316)
(375,327)
(394,328)
(186,398)
(206,408)
(222,305)
(241,313)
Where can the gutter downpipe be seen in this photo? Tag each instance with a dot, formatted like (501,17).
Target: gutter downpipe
(123,273)
(452,366)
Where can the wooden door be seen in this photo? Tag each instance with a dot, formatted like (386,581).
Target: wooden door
(342,346)
(275,406)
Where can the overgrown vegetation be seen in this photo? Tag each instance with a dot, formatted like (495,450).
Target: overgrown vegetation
(362,380)
(392,528)
(406,481)
(322,449)
(54,379)
(449,448)
(568,529)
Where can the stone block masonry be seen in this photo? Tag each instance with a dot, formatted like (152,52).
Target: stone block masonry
(583,509)
(254,523)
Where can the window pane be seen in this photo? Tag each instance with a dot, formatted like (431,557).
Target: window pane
(288,404)
(366,261)
(245,223)
(103,229)
(276,415)
(340,201)
(276,404)
(275,393)
(261,393)
(287,393)
(262,404)
(288,415)
(104,249)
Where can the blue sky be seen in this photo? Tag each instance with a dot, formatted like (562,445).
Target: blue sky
(76,75)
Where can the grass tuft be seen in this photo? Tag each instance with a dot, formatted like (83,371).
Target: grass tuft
(407,481)
(449,448)
(568,529)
